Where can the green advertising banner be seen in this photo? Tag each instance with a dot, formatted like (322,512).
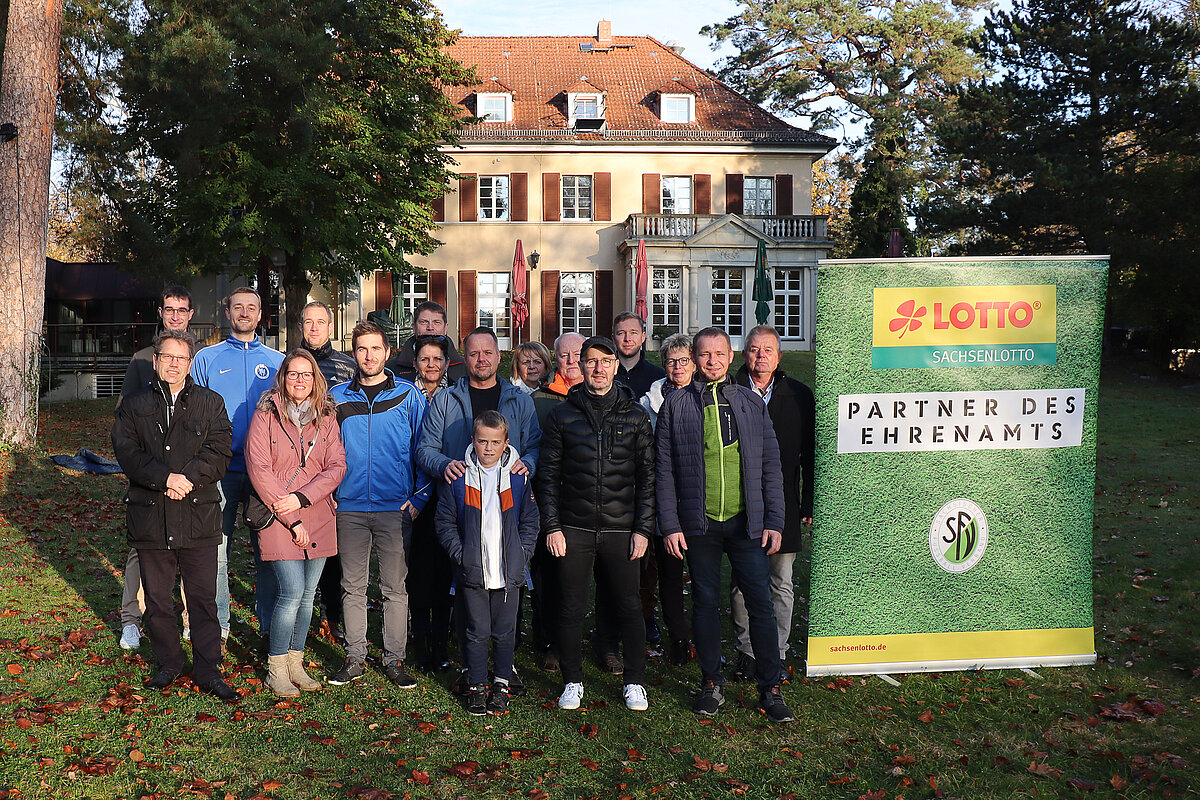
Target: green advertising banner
(956,457)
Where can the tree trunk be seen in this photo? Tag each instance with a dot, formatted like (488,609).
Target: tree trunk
(28,89)
(296,286)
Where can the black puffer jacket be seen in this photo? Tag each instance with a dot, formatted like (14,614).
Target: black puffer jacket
(197,444)
(596,469)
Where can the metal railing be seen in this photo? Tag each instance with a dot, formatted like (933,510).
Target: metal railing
(102,346)
(787,228)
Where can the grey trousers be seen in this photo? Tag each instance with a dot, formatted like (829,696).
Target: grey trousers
(783,598)
(358,532)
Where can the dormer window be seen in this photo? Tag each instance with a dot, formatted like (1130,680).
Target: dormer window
(494,106)
(585,106)
(677,108)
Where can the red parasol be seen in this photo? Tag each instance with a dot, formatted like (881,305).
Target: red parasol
(520,292)
(641,272)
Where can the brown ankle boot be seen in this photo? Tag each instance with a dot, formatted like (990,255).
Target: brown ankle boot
(296,673)
(277,677)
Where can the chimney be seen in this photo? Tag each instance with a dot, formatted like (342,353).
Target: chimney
(604,33)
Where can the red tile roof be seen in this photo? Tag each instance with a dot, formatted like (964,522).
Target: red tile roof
(541,70)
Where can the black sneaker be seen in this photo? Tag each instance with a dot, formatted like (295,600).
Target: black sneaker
(161,680)
(771,702)
(498,702)
(397,674)
(612,663)
(744,671)
(459,686)
(477,702)
(710,700)
(681,653)
(352,670)
(516,686)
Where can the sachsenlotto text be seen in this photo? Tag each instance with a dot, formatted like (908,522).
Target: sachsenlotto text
(956,415)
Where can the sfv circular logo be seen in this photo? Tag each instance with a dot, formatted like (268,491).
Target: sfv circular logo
(958,535)
(262,372)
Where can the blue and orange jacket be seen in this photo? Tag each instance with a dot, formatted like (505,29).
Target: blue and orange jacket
(459,523)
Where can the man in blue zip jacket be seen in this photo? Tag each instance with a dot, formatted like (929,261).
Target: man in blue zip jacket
(380,417)
(239,369)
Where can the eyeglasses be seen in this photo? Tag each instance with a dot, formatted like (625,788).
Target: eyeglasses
(591,363)
(173,359)
(167,311)
(298,376)
(678,362)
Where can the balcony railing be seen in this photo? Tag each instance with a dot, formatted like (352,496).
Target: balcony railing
(103,346)
(789,228)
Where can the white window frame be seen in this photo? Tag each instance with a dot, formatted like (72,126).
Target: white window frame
(787,313)
(753,188)
(666,297)
(415,290)
(673,116)
(728,305)
(577,184)
(675,194)
(498,198)
(493,305)
(504,114)
(590,101)
(577,302)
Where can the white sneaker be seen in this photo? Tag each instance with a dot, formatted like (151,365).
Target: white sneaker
(187,634)
(635,697)
(572,694)
(131,637)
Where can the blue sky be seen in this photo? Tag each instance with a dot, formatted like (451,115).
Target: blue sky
(665,20)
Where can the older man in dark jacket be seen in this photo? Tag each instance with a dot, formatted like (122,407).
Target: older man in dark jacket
(174,441)
(720,490)
(595,488)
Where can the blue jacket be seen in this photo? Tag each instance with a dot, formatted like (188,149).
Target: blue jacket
(459,525)
(240,372)
(381,439)
(679,464)
(446,434)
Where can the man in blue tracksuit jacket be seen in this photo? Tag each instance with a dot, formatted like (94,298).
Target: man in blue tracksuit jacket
(380,417)
(239,369)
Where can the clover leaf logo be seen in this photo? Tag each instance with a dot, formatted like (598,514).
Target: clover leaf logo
(908,319)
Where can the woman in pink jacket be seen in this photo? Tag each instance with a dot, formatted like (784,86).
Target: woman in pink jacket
(295,459)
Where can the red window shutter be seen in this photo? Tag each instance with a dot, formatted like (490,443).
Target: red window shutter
(602,194)
(518,201)
(466,303)
(549,306)
(651,193)
(702,192)
(468,198)
(439,209)
(437,286)
(604,302)
(551,197)
(383,290)
(783,195)
(733,194)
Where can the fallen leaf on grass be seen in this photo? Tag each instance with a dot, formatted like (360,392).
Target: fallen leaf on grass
(1083,785)
(137,756)
(925,716)
(421,777)
(587,762)
(589,730)
(463,769)
(271,785)
(15,669)
(538,794)
(1045,770)
(426,727)
(1118,783)
(368,793)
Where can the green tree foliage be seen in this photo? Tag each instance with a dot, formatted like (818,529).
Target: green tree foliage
(301,135)
(892,64)
(1085,142)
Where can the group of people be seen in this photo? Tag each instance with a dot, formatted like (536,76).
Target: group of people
(590,466)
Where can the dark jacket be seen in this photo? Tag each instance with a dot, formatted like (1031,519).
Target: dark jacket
(196,443)
(793,414)
(335,367)
(446,432)
(641,376)
(459,525)
(139,374)
(403,364)
(596,471)
(680,462)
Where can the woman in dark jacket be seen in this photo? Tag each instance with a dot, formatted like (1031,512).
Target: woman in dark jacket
(295,459)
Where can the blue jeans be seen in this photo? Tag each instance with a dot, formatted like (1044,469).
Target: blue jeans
(235,488)
(752,572)
(297,580)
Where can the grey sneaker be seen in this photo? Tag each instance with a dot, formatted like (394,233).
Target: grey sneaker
(710,700)
(351,671)
(397,674)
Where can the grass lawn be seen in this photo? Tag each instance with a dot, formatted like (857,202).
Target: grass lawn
(76,722)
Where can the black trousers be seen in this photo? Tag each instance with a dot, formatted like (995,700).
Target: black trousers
(159,574)
(544,601)
(663,571)
(330,587)
(621,578)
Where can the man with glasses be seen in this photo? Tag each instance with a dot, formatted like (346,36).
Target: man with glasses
(173,440)
(595,488)
(240,369)
(175,312)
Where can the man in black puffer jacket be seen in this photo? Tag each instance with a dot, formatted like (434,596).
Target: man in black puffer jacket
(595,488)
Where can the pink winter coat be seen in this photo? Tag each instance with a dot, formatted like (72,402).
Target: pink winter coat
(273,451)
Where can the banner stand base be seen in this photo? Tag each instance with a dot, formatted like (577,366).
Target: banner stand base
(817,670)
